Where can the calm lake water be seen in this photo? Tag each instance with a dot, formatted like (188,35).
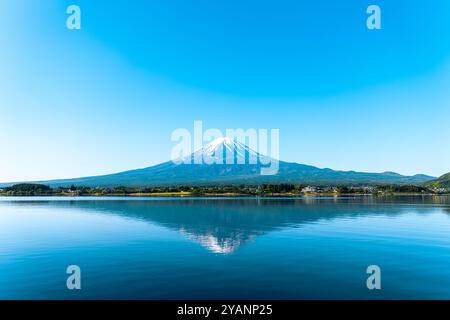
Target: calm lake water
(165,248)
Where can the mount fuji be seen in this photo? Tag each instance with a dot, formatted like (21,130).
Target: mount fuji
(212,165)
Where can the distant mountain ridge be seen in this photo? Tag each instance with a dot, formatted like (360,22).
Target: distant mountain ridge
(176,173)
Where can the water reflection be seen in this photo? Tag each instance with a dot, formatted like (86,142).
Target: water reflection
(224,225)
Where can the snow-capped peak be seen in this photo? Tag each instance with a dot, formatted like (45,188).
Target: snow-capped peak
(226,150)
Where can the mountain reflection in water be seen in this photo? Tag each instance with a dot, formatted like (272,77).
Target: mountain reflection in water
(222,225)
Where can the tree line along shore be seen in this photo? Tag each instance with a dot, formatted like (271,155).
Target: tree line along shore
(240,190)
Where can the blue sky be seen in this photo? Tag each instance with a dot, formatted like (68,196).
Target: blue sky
(106,98)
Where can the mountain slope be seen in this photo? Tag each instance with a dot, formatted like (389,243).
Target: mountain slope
(441,182)
(247,171)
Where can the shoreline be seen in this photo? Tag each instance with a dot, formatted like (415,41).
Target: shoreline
(227,195)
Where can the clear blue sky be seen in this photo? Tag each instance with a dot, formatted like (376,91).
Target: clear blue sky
(106,98)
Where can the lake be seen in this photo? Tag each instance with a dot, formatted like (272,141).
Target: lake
(225,248)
